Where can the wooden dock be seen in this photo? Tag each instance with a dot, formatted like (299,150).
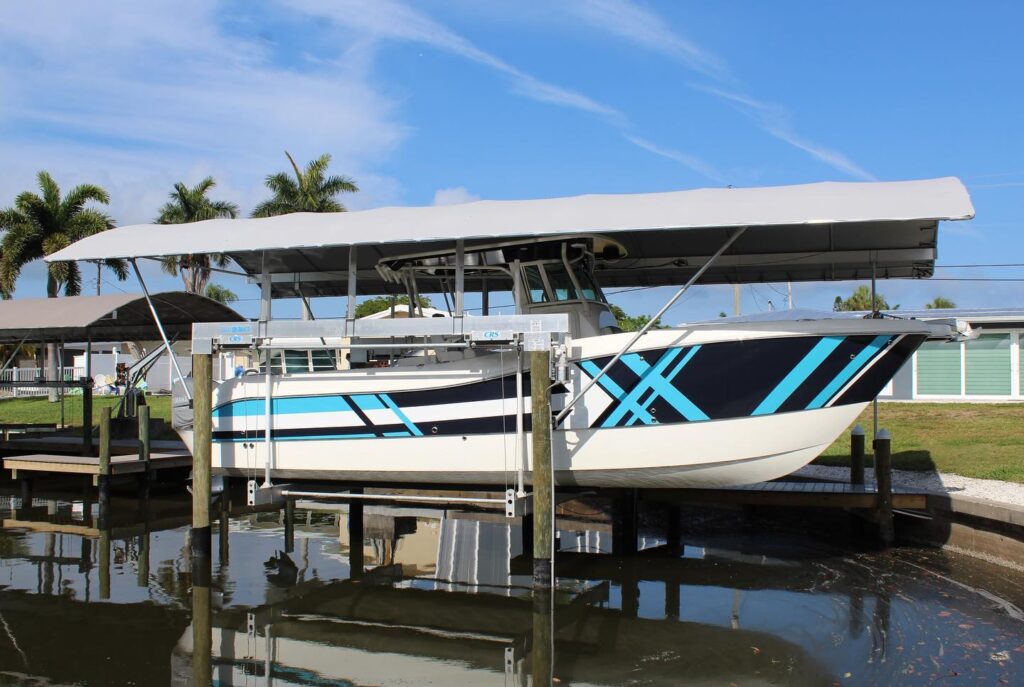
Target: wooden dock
(130,464)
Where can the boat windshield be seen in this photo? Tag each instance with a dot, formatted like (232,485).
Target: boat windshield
(550,282)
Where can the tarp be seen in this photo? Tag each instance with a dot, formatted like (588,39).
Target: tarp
(113,317)
(829,217)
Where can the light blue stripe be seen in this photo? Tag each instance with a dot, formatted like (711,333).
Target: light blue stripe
(321,437)
(399,434)
(367,401)
(283,406)
(652,377)
(798,375)
(682,363)
(606,382)
(851,369)
(630,402)
(401,416)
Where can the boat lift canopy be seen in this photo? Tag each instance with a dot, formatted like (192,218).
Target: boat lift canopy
(811,232)
(113,317)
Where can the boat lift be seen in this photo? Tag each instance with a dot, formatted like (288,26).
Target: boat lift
(813,232)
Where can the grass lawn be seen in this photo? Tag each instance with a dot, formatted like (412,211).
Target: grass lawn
(984,440)
(41,410)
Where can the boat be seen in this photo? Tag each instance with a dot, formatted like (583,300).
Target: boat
(707,404)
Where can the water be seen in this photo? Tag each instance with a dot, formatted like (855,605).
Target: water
(440,603)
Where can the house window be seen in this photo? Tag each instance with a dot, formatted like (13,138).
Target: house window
(988,365)
(938,369)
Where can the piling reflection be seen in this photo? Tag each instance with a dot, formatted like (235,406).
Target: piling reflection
(336,596)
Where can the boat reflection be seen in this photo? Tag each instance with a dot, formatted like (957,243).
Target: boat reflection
(441,601)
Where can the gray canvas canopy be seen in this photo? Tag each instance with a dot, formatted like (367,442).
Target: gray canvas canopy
(114,317)
(809,232)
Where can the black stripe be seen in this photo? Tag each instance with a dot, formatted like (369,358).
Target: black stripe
(495,424)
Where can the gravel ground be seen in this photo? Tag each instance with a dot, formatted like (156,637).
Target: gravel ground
(1009,493)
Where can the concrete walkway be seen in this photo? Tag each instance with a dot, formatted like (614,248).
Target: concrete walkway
(1008,493)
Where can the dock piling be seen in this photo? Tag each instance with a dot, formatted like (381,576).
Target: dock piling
(857,455)
(355,537)
(86,416)
(202,428)
(543,484)
(289,525)
(144,442)
(883,478)
(624,523)
(103,478)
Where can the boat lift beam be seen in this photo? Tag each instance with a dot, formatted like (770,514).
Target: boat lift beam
(160,328)
(650,323)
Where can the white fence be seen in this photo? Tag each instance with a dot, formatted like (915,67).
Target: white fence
(33,374)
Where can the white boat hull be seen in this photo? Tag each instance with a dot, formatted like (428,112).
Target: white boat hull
(704,407)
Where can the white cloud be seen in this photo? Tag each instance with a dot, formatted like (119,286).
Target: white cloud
(456,195)
(645,28)
(691,161)
(167,95)
(395,21)
(648,29)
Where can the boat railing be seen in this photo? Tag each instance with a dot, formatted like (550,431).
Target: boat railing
(345,333)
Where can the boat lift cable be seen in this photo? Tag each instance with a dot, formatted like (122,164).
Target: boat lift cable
(160,328)
(650,323)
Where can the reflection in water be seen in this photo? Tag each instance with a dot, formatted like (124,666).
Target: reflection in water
(403,596)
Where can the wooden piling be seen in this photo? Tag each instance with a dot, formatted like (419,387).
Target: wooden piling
(144,442)
(857,455)
(86,416)
(202,624)
(883,478)
(289,525)
(202,434)
(103,478)
(543,487)
(624,523)
(26,492)
(355,537)
(104,563)
(542,649)
(142,574)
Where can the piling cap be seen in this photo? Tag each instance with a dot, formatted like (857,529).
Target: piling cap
(883,435)
(857,431)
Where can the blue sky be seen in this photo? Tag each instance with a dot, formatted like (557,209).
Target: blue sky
(450,101)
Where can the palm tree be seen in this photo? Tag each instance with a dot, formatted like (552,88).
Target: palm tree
(309,191)
(940,303)
(221,294)
(39,225)
(193,205)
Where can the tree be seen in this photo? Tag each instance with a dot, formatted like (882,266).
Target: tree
(221,294)
(38,225)
(193,205)
(861,300)
(632,323)
(309,191)
(939,303)
(377,304)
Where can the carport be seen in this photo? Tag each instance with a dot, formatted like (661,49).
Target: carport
(55,322)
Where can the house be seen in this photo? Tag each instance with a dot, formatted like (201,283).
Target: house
(986,368)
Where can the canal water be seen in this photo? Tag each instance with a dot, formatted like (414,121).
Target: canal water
(444,598)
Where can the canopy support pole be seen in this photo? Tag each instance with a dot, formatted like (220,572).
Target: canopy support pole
(520,433)
(350,306)
(650,323)
(160,328)
(460,279)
